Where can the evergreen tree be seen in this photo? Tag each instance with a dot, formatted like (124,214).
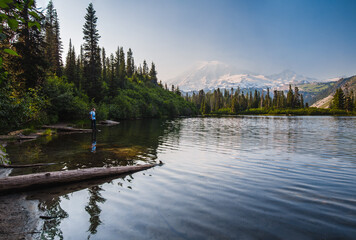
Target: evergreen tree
(144,68)
(104,70)
(130,66)
(117,64)
(92,60)
(49,37)
(296,99)
(290,98)
(28,71)
(301,101)
(53,49)
(122,69)
(339,99)
(70,69)
(153,74)
(267,101)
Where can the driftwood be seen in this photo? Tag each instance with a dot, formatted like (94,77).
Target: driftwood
(32,181)
(109,122)
(25,165)
(67,129)
(18,137)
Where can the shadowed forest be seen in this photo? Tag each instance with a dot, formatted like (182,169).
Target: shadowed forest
(38,85)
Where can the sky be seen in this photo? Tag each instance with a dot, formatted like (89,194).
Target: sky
(315,38)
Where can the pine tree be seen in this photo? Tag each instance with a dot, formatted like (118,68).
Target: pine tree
(27,71)
(50,37)
(104,70)
(153,74)
(301,101)
(144,68)
(130,64)
(296,99)
(267,101)
(70,69)
(122,69)
(290,98)
(92,60)
(339,99)
(53,49)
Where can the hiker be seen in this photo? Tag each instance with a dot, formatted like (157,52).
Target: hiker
(93,119)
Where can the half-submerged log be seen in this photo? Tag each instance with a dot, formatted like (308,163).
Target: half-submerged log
(62,128)
(18,137)
(25,165)
(109,122)
(32,181)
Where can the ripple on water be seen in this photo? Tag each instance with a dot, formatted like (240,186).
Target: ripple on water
(243,177)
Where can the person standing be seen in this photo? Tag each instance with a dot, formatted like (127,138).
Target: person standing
(93,119)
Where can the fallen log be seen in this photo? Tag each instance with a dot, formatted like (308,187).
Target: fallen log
(18,137)
(25,165)
(67,129)
(109,122)
(31,181)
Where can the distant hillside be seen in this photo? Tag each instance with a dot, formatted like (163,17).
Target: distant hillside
(324,97)
(311,91)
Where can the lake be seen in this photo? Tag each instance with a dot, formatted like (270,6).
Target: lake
(246,177)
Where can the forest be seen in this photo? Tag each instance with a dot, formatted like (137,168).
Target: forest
(38,87)
(236,101)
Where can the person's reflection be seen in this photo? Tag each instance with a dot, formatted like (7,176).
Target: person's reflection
(93,142)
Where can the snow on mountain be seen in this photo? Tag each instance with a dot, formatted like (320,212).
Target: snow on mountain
(290,77)
(214,74)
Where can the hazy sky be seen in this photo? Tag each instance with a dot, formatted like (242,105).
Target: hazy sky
(316,38)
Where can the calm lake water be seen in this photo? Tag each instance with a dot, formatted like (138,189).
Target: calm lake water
(249,177)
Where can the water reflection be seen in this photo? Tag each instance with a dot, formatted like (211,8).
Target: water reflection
(129,143)
(54,213)
(93,208)
(251,177)
(93,142)
(53,204)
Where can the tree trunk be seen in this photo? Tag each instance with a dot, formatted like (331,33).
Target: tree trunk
(32,181)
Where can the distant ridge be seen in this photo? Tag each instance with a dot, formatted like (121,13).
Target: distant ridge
(325,97)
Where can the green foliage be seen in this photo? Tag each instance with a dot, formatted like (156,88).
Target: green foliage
(65,102)
(49,132)
(28,131)
(18,111)
(142,101)
(3,156)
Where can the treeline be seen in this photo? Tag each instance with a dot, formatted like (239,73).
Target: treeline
(37,88)
(236,101)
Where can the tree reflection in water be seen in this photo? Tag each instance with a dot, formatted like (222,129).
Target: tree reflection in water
(52,208)
(93,208)
(127,144)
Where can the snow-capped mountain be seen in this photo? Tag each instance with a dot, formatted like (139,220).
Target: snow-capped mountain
(214,74)
(290,77)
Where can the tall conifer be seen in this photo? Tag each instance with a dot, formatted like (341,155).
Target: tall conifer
(92,63)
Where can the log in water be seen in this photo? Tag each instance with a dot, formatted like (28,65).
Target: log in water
(32,181)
